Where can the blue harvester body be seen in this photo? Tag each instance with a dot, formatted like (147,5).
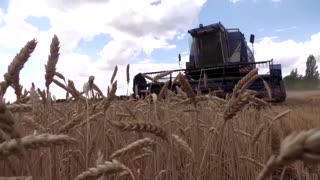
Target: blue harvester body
(224,56)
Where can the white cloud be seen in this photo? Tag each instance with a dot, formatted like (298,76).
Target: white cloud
(133,26)
(289,53)
(234,1)
(285,29)
(69,4)
(271,37)
(181,36)
(1,16)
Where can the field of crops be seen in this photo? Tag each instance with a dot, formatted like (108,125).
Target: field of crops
(183,136)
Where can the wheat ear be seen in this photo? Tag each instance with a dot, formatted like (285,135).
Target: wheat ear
(239,86)
(95,87)
(128,77)
(19,107)
(58,83)
(73,91)
(141,127)
(16,178)
(111,96)
(128,73)
(236,105)
(186,87)
(297,146)
(52,61)
(161,75)
(11,77)
(7,122)
(134,146)
(90,119)
(107,168)
(76,119)
(114,74)
(34,142)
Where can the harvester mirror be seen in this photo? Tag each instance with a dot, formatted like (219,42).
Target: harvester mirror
(252,38)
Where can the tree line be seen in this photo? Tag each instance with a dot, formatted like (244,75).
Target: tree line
(296,81)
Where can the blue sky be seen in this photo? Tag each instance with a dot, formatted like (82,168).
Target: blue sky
(251,16)
(96,36)
(286,19)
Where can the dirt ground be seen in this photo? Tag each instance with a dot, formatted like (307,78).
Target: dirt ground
(298,98)
(303,94)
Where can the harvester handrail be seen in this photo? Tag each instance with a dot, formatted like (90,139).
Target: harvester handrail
(211,68)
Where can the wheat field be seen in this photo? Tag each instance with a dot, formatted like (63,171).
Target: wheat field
(183,136)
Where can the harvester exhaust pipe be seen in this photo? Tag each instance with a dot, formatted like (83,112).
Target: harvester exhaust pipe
(179,58)
(252,42)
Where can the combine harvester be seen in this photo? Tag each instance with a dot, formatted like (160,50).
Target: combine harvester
(224,56)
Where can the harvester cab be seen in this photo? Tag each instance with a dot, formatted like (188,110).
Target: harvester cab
(223,56)
(214,46)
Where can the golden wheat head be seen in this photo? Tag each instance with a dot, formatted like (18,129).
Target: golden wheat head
(141,127)
(106,168)
(52,61)
(10,147)
(297,146)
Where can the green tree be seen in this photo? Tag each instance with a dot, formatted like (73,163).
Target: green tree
(293,79)
(311,69)
(294,74)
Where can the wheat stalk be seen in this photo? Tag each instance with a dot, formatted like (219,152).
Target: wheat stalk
(183,145)
(252,161)
(257,133)
(241,132)
(205,79)
(90,119)
(268,89)
(164,90)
